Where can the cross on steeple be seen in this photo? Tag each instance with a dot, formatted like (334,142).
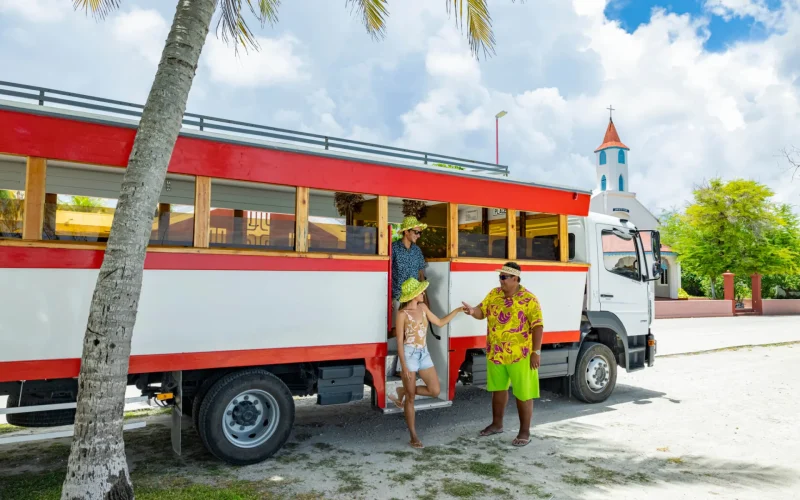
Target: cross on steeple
(610,110)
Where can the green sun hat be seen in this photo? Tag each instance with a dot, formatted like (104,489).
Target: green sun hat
(411,288)
(410,223)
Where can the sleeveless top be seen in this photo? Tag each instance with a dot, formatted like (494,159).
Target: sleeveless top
(415,331)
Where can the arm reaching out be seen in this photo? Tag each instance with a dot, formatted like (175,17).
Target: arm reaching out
(436,320)
(475,312)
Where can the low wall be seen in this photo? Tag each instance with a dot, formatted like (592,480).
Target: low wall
(694,308)
(779,307)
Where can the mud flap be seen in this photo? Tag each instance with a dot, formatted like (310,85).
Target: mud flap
(176,381)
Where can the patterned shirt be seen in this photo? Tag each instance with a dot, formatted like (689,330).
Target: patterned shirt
(510,324)
(406,263)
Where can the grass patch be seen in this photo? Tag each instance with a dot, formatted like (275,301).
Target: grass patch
(539,465)
(398,454)
(434,454)
(402,477)
(485,469)
(572,460)
(28,486)
(351,483)
(326,463)
(675,461)
(602,475)
(639,477)
(303,436)
(6,428)
(147,412)
(461,489)
(293,459)
(323,446)
(577,480)
(533,490)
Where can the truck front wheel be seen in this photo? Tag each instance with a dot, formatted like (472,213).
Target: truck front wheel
(246,416)
(595,373)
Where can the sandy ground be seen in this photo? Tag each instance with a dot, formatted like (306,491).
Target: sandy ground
(714,425)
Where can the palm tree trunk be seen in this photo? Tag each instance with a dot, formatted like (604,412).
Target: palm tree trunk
(97,468)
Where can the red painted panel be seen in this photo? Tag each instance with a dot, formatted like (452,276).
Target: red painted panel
(11,371)
(66,258)
(537,268)
(74,140)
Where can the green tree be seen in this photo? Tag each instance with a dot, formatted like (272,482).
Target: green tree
(97,466)
(734,226)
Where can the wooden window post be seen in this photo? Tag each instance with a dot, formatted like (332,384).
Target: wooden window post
(563,238)
(384,236)
(452,230)
(301,220)
(511,232)
(33,217)
(202,211)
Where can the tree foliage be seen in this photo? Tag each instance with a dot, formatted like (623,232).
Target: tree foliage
(734,226)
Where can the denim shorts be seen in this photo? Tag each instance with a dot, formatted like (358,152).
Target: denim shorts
(417,358)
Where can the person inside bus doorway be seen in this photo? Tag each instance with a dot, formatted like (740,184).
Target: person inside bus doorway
(412,330)
(407,260)
(513,349)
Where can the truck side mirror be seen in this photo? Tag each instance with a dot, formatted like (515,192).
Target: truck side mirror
(655,240)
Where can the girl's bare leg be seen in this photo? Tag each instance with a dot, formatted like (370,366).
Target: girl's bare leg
(410,393)
(431,388)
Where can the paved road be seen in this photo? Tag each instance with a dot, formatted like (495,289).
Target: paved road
(701,334)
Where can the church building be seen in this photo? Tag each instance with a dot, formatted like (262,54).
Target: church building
(613,196)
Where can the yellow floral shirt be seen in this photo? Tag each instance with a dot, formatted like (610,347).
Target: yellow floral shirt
(510,324)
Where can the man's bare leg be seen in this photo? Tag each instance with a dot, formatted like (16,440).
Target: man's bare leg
(499,402)
(525,410)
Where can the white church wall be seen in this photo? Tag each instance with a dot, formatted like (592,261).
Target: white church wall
(605,203)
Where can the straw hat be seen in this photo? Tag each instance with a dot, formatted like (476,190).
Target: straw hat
(412,288)
(510,271)
(410,223)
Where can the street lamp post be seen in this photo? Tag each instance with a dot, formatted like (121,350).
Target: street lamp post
(497,135)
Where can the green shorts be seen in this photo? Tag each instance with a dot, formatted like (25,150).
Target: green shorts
(523,380)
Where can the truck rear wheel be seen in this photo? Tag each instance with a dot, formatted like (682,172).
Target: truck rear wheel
(246,417)
(595,373)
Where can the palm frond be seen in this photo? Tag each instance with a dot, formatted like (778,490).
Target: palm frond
(479,24)
(232,23)
(98,8)
(373,14)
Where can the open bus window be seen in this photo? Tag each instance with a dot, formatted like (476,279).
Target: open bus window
(433,241)
(538,236)
(342,222)
(252,215)
(482,232)
(73,217)
(12,196)
(174,220)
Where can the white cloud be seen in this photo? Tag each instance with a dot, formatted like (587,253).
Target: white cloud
(37,11)
(145,31)
(275,63)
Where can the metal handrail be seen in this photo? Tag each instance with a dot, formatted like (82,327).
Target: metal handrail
(42,95)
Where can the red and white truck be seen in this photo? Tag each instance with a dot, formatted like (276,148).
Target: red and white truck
(267,279)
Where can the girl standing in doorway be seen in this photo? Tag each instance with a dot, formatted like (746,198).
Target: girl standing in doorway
(412,327)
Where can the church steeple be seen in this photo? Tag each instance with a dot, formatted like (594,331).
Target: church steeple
(612,160)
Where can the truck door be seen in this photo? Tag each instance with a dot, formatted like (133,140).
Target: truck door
(621,288)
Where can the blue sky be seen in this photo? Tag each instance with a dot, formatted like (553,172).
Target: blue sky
(723,30)
(701,89)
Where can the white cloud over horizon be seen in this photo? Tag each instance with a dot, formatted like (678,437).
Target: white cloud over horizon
(687,113)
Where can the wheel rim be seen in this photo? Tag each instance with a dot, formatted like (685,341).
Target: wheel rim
(250,418)
(597,373)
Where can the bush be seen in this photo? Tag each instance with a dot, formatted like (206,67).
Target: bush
(682,294)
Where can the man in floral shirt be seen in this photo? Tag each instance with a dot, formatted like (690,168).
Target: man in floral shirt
(513,349)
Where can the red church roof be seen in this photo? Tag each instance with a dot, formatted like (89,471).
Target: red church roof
(611,140)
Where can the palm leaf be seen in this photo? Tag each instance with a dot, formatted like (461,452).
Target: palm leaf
(232,25)
(98,8)
(479,24)
(373,14)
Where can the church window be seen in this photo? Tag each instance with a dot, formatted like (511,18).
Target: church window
(602,157)
(603,183)
(621,183)
(621,157)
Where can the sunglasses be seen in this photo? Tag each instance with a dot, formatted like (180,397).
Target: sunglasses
(416,232)
(503,277)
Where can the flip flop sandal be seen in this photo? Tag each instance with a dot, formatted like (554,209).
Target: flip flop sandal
(397,402)
(519,443)
(486,433)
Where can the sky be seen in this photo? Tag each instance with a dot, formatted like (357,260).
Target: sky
(700,88)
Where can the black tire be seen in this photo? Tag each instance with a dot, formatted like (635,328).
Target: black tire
(580,386)
(222,393)
(200,395)
(50,418)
